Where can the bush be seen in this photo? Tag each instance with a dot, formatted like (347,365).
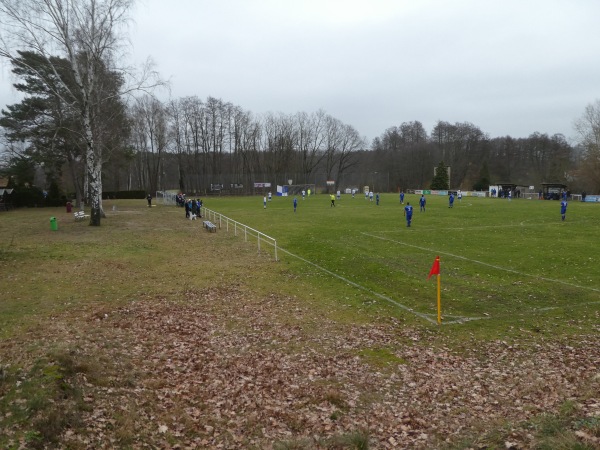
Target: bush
(26,197)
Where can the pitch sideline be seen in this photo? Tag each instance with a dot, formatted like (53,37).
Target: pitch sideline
(428,317)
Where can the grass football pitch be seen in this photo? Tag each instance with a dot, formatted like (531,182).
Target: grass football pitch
(501,261)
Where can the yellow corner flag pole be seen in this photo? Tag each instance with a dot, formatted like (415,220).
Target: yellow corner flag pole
(439,299)
(435,270)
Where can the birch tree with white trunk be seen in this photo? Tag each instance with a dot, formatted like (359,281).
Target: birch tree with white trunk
(90,35)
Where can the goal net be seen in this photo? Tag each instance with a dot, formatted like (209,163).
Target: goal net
(166,197)
(296,189)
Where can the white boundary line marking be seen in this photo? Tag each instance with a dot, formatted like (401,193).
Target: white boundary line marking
(552,280)
(427,317)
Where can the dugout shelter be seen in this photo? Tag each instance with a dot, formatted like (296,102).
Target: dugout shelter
(551,191)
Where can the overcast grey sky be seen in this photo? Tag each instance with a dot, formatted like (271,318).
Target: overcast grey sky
(511,67)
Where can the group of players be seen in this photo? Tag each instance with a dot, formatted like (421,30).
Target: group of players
(408,209)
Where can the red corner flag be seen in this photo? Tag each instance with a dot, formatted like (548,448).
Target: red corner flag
(435,269)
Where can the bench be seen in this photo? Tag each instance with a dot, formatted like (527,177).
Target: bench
(209,226)
(80,215)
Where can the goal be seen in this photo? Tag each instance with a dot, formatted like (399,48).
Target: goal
(166,197)
(296,189)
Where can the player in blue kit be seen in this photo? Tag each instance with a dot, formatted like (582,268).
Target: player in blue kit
(402,197)
(451,201)
(422,202)
(295,203)
(408,210)
(563,209)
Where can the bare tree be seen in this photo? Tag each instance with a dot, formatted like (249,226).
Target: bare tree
(177,134)
(311,138)
(149,117)
(280,139)
(588,128)
(349,144)
(88,34)
(460,144)
(342,142)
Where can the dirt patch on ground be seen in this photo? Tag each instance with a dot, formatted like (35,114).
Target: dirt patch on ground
(215,369)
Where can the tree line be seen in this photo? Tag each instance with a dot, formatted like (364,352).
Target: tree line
(190,145)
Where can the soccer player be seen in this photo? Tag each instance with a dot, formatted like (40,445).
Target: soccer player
(422,202)
(265,202)
(402,197)
(377,199)
(451,201)
(408,210)
(332,197)
(295,203)
(563,209)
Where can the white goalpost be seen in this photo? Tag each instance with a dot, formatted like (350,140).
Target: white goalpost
(296,189)
(166,197)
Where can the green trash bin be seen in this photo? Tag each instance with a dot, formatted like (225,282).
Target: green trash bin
(53,224)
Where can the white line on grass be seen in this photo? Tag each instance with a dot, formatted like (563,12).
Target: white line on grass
(427,317)
(479,227)
(552,280)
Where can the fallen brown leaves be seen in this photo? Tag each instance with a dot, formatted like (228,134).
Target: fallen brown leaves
(214,369)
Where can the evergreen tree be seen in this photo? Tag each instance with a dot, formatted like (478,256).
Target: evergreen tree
(50,129)
(483,183)
(440,179)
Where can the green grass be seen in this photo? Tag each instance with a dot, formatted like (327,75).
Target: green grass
(507,268)
(502,262)
(549,431)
